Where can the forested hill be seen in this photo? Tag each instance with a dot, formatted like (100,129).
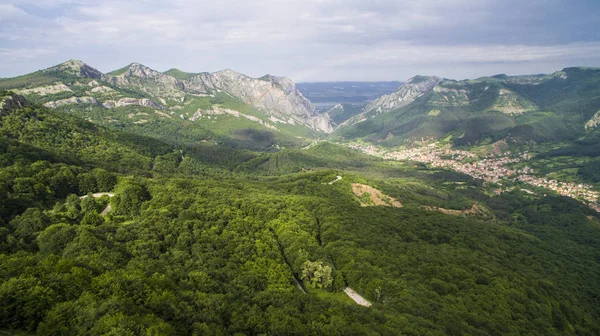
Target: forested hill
(204,240)
(563,106)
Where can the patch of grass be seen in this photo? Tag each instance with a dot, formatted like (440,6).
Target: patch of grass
(181,75)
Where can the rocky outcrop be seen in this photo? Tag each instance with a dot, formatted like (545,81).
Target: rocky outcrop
(102,89)
(71,101)
(10,102)
(46,90)
(148,80)
(222,111)
(106,104)
(511,103)
(277,96)
(450,97)
(414,88)
(593,122)
(132,101)
(77,68)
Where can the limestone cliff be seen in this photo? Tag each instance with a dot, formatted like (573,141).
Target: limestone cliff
(414,88)
(277,96)
(147,80)
(593,122)
(77,68)
(71,101)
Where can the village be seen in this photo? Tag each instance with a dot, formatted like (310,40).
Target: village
(491,168)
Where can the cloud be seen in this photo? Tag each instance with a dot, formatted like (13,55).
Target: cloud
(308,40)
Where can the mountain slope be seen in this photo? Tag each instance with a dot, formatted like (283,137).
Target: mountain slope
(230,100)
(522,108)
(339,113)
(277,96)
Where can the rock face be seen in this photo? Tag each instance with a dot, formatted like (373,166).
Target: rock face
(105,104)
(102,89)
(277,96)
(132,101)
(47,90)
(509,102)
(71,101)
(222,111)
(414,88)
(147,80)
(79,69)
(450,97)
(593,122)
(11,102)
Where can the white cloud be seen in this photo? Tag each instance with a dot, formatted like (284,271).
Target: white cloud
(311,39)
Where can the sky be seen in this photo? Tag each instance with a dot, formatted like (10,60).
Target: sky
(308,40)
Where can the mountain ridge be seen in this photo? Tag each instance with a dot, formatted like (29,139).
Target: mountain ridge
(276,96)
(520,109)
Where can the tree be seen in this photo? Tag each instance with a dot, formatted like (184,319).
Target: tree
(129,198)
(55,238)
(317,274)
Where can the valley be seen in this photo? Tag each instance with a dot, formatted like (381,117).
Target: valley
(142,202)
(494,169)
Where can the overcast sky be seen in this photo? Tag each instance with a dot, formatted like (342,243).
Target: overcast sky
(307,40)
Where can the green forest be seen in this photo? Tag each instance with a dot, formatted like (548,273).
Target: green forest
(207,239)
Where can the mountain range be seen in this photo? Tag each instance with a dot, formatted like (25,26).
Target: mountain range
(563,106)
(273,100)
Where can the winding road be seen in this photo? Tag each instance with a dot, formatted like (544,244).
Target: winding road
(356,297)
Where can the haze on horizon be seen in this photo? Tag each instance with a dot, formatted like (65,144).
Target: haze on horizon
(309,40)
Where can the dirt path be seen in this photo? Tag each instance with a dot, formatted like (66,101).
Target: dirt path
(98,195)
(337,179)
(106,210)
(356,297)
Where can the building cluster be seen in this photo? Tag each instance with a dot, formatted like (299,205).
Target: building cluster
(492,168)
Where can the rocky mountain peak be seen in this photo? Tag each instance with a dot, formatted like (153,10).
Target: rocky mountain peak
(77,68)
(141,71)
(422,80)
(407,93)
(228,73)
(277,96)
(284,83)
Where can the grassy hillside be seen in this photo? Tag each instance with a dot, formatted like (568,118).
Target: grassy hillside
(340,113)
(181,75)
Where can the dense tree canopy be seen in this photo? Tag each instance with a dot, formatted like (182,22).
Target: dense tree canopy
(195,247)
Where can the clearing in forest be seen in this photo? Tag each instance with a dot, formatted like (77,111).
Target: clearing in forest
(370,196)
